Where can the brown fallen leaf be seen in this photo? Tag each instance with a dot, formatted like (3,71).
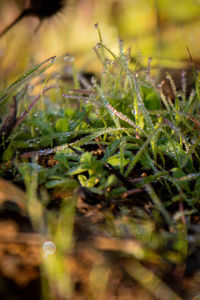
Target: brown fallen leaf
(183,78)
(10,192)
(9,122)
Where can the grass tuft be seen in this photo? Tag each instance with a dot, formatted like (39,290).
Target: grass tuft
(117,153)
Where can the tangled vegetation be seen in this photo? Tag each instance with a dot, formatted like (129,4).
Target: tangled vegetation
(100,182)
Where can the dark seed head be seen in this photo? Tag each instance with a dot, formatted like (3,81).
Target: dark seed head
(45,8)
(38,8)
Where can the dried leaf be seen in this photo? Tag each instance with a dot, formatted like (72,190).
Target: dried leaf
(10,192)
(9,122)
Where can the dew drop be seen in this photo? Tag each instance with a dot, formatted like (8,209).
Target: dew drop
(67,57)
(98,45)
(52,59)
(49,248)
(121,44)
(96,26)
(93,80)
(71,59)
(134,112)
(108,61)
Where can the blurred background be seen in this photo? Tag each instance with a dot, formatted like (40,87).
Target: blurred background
(161,29)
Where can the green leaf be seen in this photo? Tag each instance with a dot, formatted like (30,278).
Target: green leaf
(111,149)
(61,157)
(151,98)
(87,182)
(61,182)
(89,162)
(69,113)
(23,79)
(178,173)
(172,149)
(115,161)
(62,125)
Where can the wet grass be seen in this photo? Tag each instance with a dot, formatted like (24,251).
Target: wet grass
(109,164)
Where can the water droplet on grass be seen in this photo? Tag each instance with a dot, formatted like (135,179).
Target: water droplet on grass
(67,57)
(48,248)
(52,60)
(96,26)
(93,80)
(98,45)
